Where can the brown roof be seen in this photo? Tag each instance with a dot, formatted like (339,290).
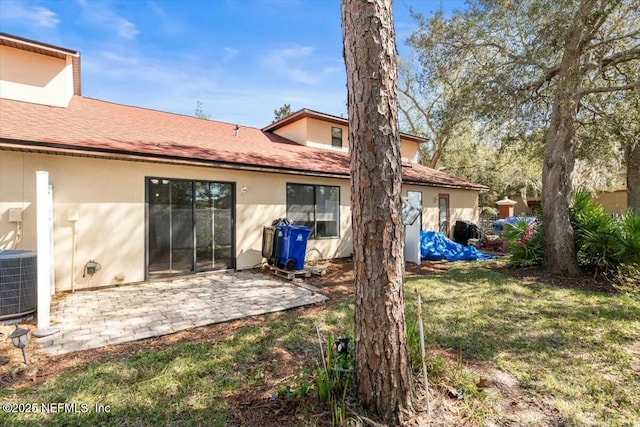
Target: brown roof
(97,128)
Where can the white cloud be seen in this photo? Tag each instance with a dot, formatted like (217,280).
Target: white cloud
(281,62)
(125,29)
(38,16)
(116,57)
(167,85)
(167,23)
(148,82)
(99,13)
(229,54)
(146,70)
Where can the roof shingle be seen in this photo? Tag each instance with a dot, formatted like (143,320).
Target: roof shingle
(92,126)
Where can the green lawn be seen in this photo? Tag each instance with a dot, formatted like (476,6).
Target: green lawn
(184,384)
(578,351)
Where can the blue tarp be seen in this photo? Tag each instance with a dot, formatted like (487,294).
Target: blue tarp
(513,219)
(498,225)
(435,246)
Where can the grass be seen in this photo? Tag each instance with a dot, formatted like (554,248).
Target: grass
(578,351)
(185,384)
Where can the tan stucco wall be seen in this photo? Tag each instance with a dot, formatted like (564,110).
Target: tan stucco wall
(463,205)
(109,196)
(314,133)
(317,133)
(30,77)
(520,208)
(614,202)
(296,131)
(409,150)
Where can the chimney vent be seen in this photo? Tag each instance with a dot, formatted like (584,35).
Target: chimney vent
(237,129)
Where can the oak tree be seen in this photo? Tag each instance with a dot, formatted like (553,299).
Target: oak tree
(538,66)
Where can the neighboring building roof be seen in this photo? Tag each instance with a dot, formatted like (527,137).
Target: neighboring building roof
(90,127)
(306,113)
(48,50)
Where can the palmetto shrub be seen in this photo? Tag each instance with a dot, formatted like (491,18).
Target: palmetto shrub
(607,245)
(525,243)
(602,241)
(604,245)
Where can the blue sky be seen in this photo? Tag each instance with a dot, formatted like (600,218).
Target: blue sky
(241,58)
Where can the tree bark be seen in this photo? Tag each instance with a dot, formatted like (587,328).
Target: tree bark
(633,175)
(559,157)
(382,368)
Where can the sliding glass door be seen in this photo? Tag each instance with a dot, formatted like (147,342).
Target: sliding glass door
(190,226)
(214,225)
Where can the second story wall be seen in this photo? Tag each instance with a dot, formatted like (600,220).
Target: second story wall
(320,135)
(315,133)
(332,133)
(39,79)
(409,150)
(295,131)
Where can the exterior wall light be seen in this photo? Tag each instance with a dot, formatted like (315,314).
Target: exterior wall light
(244,189)
(20,338)
(91,268)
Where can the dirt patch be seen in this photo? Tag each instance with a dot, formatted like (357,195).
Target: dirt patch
(515,406)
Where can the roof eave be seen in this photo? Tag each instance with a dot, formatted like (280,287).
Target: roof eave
(24,42)
(112,154)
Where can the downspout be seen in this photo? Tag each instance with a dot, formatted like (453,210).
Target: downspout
(44,254)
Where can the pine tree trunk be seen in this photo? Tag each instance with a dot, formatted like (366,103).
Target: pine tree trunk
(382,368)
(559,157)
(633,176)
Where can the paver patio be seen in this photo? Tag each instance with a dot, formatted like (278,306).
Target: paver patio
(92,319)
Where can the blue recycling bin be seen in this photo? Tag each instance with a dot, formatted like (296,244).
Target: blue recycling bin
(292,246)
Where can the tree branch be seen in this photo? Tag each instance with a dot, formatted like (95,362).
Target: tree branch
(609,61)
(631,35)
(416,104)
(549,74)
(613,60)
(407,116)
(630,86)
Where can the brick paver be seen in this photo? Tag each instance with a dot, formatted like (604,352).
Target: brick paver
(91,319)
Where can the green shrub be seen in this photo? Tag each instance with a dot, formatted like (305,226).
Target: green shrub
(602,241)
(631,239)
(525,243)
(597,234)
(606,244)
(626,277)
(489,211)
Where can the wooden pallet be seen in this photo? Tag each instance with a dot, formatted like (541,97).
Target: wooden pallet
(317,271)
(290,275)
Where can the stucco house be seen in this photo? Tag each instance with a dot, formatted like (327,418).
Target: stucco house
(146,193)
